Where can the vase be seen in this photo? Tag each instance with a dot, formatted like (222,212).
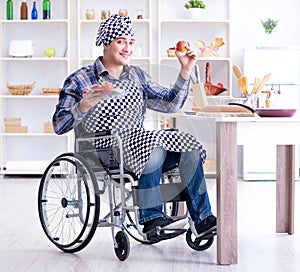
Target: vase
(195,13)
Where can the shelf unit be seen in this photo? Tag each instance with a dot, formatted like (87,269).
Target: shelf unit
(213,22)
(87,29)
(29,153)
(61,31)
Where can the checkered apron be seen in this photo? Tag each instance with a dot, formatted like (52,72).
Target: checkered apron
(124,115)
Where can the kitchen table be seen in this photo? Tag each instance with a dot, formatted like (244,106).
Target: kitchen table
(234,131)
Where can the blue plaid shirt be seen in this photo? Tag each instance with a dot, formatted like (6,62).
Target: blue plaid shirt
(156,97)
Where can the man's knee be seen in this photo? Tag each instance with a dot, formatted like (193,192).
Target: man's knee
(155,161)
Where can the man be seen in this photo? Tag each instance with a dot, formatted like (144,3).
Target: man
(146,153)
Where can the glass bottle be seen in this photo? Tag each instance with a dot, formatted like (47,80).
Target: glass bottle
(9,10)
(34,13)
(24,10)
(46,9)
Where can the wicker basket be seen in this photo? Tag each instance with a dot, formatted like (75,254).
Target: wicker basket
(171,52)
(48,128)
(51,91)
(12,122)
(19,129)
(211,89)
(24,89)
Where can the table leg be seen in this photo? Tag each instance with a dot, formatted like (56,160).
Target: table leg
(226,192)
(285,189)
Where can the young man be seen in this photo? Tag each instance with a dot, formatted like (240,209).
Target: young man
(146,152)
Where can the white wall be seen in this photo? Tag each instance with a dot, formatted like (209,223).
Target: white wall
(247,30)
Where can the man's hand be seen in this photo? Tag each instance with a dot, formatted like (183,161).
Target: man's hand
(187,61)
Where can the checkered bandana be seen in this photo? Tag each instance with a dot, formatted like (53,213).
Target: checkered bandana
(112,28)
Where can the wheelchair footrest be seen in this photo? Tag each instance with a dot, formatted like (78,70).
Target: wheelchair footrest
(159,234)
(207,235)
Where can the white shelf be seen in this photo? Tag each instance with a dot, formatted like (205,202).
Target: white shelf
(35,59)
(31,134)
(52,21)
(9,96)
(36,108)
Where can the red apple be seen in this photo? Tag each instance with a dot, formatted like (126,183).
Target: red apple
(220,85)
(182,45)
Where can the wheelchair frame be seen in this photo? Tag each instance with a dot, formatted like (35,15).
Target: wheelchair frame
(69,199)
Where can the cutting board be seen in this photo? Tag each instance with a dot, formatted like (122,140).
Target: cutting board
(223,110)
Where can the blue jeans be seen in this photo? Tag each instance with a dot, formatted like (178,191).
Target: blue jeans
(191,174)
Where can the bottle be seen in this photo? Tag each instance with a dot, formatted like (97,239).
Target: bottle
(24,10)
(9,10)
(34,13)
(46,9)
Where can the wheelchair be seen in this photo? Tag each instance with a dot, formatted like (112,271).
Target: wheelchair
(90,188)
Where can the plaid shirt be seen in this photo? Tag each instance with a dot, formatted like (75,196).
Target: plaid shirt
(156,97)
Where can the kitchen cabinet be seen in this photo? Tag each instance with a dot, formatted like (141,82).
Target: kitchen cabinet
(30,151)
(213,22)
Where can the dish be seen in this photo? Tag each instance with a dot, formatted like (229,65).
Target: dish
(275,112)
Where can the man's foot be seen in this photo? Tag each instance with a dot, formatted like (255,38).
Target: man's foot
(164,222)
(207,225)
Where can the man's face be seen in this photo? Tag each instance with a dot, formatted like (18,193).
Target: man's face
(120,50)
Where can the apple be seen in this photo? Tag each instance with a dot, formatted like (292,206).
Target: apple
(220,85)
(182,45)
(50,52)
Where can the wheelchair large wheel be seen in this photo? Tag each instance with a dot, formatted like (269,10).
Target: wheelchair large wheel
(68,202)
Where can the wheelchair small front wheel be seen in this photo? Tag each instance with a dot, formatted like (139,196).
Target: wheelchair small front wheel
(122,248)
(68,202)
(201,243)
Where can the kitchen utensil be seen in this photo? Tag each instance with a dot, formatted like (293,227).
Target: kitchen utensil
(263,82)
(243,84)
(255,85)
(237,71)
(200,99)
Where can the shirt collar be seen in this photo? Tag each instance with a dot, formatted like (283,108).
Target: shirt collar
(101,70)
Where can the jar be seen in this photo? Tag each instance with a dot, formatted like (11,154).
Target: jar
(105,14)
(90,14)
(139,14)
(123,12)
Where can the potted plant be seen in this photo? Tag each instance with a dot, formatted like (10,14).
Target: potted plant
(194,4)
(269,25)
(194,7)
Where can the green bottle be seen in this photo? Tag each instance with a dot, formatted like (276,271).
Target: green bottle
(9,10)
(46,9)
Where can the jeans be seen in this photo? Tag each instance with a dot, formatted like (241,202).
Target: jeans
(191,174)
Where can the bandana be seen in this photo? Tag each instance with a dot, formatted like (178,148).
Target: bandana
(112,28)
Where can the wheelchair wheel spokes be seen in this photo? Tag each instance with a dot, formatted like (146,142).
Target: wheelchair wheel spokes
(68,203)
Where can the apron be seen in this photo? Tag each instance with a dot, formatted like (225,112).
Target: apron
(123,114)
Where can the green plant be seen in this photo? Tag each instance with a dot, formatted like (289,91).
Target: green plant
(269,25)
(195,4)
